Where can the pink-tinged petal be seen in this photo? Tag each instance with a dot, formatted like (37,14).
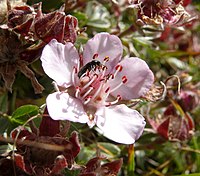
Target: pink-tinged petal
(58,61)
(104,45)
(120,123)
(139,79)
(61,106)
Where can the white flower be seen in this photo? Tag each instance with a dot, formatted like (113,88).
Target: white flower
(92,85)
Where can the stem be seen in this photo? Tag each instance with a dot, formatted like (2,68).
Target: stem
(131,161)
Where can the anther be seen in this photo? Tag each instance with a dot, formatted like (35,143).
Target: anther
(107,58)
(119,68)
(119,97)
(113,102)
(111,76)
(87,100)
(95,56)
(106,91)
(104,67)
(78,90)
(75,70)
(124,79)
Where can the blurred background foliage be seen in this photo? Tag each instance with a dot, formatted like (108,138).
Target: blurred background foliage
(168,50)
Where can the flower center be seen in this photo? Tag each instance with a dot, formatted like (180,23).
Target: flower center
(92,82)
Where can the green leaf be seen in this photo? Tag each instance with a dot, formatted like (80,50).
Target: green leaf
(98,16)
(177,64)
(109,149)
(4,149)
(82,18)
(23,113)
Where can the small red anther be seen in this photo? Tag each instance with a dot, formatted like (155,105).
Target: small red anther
(95,56)
(124,79)
(96,75)
(111,76)
(88,97)
(78,88)
(104,67)
(119,67)
(106,91)
(119,97)
(75,70)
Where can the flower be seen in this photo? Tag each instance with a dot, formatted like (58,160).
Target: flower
(157,12)
(91,86)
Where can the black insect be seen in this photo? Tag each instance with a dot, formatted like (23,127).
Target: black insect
(88,67)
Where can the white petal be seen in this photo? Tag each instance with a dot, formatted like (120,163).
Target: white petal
(58,61)
(139,79)
(104,45)
(61,106)
(120,123)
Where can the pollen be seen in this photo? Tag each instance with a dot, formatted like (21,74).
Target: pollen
(107,58)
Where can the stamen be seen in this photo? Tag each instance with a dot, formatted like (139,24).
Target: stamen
(98,90)
(124,80)
(87,100)
(106,91)
(95,76)
(95,56)
(111,76)
(86,93)
(77,93)
(104,68)
(118,68)
(113,102)
(106,59)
